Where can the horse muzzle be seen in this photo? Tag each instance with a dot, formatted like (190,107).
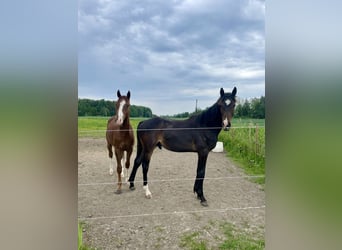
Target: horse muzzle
(119,121)
(226,128)
(226,124)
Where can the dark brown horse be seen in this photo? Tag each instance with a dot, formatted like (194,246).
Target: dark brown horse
(197,134)
(119,135)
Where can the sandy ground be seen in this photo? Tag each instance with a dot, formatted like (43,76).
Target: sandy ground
(130,221)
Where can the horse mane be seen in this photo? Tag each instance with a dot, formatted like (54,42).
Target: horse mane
(209,116)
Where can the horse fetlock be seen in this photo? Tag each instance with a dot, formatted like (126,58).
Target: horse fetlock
(111,171)
(204,203)
(148,193)
(131,186)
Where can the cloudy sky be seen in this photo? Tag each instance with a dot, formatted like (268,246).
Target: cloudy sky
(170,53)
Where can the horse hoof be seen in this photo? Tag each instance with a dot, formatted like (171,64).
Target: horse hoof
(111,172)
(132,188)
(204,203)
(148,196)
(118,191)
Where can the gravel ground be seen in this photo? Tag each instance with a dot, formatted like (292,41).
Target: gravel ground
(130,221)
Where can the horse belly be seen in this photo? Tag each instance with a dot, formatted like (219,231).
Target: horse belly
(178,142)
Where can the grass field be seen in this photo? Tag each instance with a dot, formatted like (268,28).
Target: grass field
(244,143)
(95,126)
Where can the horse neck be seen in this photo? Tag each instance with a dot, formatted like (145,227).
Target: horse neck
(212,117)
(126,123)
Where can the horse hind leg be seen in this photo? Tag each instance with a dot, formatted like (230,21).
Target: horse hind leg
(148,193)
(137,162)
(198,186)
(111,163)
(145,165)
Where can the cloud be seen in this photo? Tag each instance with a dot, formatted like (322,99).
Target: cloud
(168,47)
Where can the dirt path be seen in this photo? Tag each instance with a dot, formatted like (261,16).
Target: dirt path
(130,221)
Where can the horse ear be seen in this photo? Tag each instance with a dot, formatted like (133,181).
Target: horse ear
(118,93)
(128,94)
(221,92)
(234,91)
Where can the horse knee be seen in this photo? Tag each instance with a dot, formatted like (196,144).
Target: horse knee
(110,154)
(110,151)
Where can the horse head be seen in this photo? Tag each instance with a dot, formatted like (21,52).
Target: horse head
(122,107)
(226,103)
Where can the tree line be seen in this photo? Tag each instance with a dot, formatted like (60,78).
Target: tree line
(254,108)
(88,107)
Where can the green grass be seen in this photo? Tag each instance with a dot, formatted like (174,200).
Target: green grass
(237,240)
(190,241)
(232,239)
(95,126)
(239,122)
(81,246)
(245,144)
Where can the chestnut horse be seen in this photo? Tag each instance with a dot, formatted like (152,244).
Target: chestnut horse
(197,134)
(119,135)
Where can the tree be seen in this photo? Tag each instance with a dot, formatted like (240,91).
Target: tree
(88,107)
(246,109)
(258,108)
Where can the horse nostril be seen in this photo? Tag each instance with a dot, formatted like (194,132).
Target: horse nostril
(119,121)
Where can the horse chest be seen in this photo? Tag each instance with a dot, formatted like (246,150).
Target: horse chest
(210,141)
(123,144)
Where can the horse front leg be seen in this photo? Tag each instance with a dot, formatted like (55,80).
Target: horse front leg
(123,160)
(128,162)
(111,163)
(119,155)
(198,186)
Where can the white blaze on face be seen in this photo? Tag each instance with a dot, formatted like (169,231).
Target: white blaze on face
(225,122)
(227,102)
(120,112)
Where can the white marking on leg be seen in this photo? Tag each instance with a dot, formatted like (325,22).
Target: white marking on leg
(120,113)
(123,164)
(148,193)
(122,172)
(111,169)
(126,179)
